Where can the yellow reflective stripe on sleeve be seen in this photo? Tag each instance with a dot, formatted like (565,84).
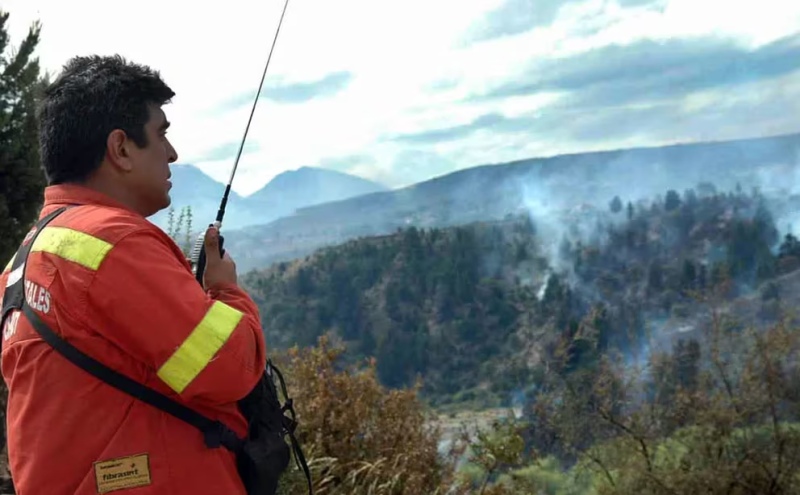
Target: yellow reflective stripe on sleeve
(72,245)
(200,346)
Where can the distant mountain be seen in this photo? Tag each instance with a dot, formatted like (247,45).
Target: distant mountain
(309,186)
(284,194)
(546,188)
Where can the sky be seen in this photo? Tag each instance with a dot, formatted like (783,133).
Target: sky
(401,92)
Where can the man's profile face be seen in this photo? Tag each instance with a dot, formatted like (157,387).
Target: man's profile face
(151,172)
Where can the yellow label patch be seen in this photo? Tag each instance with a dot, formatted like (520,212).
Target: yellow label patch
(123,472)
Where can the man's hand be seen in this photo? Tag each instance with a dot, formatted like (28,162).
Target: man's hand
(219,270)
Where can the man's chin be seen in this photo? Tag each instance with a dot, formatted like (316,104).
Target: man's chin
(165,203)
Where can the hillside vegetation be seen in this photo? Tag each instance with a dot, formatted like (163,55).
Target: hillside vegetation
(649,348)
(717,418)
(478,312)
(653,353)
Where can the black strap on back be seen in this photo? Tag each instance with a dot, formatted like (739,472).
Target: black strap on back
(215,433)
(14,296)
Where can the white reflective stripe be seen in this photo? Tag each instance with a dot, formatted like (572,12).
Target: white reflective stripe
(14,276)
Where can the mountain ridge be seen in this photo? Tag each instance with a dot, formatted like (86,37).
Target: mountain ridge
(573,155)
(281,196)
(543,187)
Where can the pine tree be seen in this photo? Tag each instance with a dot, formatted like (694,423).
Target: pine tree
(672,201)
(615,205)
(21,177)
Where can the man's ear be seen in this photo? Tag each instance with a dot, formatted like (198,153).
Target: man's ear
(118,150)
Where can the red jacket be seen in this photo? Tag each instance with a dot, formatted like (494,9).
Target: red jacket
(119,289)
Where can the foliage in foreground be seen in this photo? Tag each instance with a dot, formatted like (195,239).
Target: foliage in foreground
(358,436)
(713,419)
(718,418)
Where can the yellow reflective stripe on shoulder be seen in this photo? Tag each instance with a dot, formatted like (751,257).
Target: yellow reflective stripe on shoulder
(72,245)
(10,262)
(200,346)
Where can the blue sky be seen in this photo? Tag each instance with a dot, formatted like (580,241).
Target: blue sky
(404,91)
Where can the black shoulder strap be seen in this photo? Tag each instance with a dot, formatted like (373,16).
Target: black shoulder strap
(215,432)
(14,296)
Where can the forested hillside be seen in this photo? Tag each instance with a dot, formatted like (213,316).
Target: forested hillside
(481,311)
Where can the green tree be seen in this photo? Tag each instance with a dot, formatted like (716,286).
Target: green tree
(790,246)
(688,275)
(672,201)
(21,178)
(615,205)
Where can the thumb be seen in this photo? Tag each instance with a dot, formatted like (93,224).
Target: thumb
(212,244)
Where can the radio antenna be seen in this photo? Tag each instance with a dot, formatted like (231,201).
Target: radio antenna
(197,257)
(224,203)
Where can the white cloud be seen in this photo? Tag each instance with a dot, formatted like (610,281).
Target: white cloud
(395,52)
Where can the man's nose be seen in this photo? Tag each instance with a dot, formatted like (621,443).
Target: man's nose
(173,155)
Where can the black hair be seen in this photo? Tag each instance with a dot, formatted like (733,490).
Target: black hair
(93,96)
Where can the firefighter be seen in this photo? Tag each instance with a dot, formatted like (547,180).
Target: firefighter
(119,289)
